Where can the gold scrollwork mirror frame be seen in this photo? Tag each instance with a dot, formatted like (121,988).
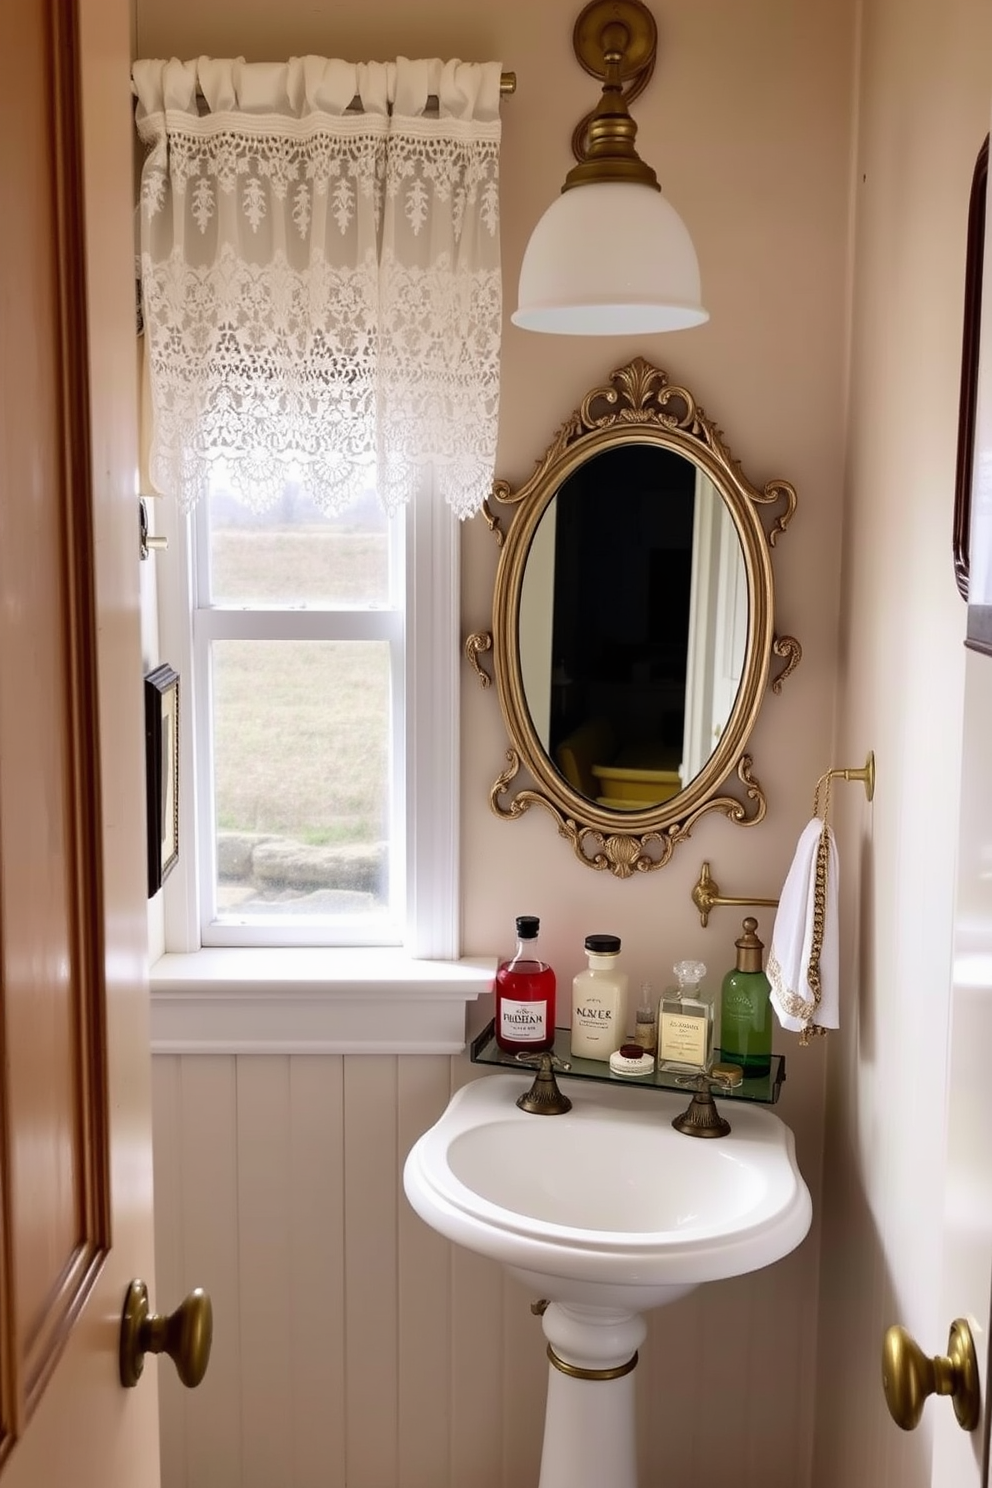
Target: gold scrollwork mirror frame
(637,406)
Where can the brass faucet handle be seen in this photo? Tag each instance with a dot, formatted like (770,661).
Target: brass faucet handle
(726,1076)
(535,1059)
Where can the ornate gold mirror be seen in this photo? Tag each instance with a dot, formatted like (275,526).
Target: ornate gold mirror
(633,625)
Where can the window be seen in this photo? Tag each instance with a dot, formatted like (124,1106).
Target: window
(320,286)
(319,725)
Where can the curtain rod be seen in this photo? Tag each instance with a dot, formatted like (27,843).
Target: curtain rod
(507,85)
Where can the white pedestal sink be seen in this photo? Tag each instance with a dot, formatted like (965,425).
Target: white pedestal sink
(603,1212)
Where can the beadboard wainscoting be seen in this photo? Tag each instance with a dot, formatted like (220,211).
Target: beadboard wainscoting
(355,1348)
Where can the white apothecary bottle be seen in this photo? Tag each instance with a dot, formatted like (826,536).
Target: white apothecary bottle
(599,1001)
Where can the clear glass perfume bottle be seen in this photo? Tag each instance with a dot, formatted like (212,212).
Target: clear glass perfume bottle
(685,1022)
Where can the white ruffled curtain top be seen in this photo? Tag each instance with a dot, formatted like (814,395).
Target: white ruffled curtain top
(321,287)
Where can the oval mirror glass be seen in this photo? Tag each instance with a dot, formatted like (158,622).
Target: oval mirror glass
(632,626)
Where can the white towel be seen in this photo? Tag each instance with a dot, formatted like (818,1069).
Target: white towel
(792,971)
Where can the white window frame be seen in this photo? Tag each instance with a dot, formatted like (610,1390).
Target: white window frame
(321,999)
(211,623)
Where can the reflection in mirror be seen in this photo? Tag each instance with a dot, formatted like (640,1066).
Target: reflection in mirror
(630,684)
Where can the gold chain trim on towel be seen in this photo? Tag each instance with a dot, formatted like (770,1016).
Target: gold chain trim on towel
(819,919)
(819,908)
(793,1004)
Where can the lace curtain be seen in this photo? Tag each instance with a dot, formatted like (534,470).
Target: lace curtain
(321,286)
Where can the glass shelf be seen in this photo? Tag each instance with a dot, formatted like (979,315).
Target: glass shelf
(763,1088)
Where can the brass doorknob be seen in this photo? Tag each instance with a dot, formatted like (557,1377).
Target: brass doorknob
(908,1376)
(185,1335)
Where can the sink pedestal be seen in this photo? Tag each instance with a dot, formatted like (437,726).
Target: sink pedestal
(590,1436)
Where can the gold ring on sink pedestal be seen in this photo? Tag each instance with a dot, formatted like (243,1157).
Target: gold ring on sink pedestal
(577,1372)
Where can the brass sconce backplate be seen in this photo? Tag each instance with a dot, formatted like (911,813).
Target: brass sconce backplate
(599,24)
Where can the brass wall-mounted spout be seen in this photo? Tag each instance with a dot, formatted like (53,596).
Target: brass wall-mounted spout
(706,896)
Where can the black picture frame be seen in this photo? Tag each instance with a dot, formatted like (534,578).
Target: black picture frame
(970,349)
(162,773)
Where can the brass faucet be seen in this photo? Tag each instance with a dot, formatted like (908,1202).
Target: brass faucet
(701,1117)
(544,1098)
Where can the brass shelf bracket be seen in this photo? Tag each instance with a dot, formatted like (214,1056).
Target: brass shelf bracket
(706,891)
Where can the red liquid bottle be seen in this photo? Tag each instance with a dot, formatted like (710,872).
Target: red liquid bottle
(525,995)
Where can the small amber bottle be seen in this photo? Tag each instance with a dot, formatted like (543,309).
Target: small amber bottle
(646,1021)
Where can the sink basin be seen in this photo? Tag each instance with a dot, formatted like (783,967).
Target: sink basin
(607,1205)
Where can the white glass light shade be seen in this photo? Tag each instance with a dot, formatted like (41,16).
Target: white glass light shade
(609,258)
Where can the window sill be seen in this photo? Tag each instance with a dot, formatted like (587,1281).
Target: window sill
(315,1001)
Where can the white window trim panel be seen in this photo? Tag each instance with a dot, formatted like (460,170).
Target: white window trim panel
(309,1000)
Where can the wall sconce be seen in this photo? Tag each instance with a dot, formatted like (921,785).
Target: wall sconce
(613,258)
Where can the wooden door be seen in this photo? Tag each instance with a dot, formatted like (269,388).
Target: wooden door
(75,1158)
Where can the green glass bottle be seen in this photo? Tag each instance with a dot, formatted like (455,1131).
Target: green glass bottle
(745,1009)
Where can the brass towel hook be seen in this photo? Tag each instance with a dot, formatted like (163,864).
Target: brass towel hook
(865,775)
